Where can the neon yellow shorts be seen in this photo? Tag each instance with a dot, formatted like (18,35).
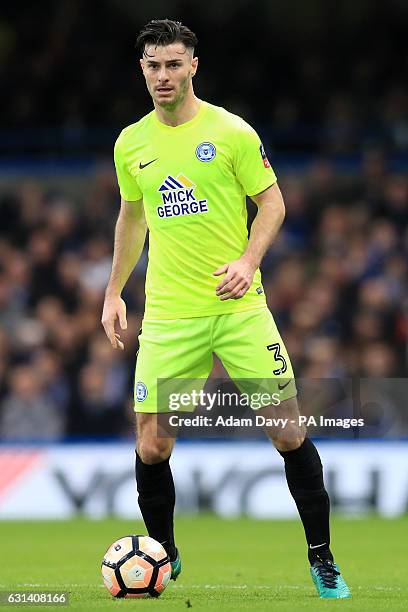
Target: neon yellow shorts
(248,344)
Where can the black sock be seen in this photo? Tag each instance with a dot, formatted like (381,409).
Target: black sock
(304,475)
(156,501)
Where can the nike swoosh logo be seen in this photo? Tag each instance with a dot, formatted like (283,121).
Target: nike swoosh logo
(317,545)
(281,387)
(141,166)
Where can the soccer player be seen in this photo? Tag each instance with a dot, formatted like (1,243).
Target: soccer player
(184,170)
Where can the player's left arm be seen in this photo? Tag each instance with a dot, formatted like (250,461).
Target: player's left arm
(240,273)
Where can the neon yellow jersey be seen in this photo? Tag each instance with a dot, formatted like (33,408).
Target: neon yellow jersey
(193,179)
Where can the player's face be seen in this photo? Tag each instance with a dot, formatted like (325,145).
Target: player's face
(168,72)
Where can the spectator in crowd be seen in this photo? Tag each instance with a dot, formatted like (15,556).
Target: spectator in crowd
(28,411)
(96,413)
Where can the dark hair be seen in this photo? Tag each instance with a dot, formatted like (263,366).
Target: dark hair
(165,32)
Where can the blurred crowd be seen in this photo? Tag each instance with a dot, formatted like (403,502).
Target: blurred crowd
(319,77)
(313,77)
(335,280)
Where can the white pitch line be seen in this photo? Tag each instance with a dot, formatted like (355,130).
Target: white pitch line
(235,586)
(198,586)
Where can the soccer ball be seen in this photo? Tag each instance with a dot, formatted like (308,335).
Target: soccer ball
(136,566)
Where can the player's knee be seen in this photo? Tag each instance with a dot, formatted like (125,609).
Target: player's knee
(289,438)
(154,451)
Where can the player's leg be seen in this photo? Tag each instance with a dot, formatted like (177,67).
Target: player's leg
(155,482)
(255,353)
(304,475)
(172,350)
(252,350)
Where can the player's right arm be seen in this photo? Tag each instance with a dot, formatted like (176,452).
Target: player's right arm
(130,235)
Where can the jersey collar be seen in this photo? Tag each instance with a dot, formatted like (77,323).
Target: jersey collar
(187,124)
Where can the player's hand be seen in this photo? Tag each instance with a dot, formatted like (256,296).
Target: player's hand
(114,308)
(237,280)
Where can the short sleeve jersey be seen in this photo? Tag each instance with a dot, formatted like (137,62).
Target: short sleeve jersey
(193,180)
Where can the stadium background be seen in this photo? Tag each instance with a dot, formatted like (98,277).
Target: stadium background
(325,85)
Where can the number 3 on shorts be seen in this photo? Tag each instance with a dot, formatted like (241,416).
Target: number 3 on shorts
(278,357)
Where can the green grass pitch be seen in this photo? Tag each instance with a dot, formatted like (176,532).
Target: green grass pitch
(231,565)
